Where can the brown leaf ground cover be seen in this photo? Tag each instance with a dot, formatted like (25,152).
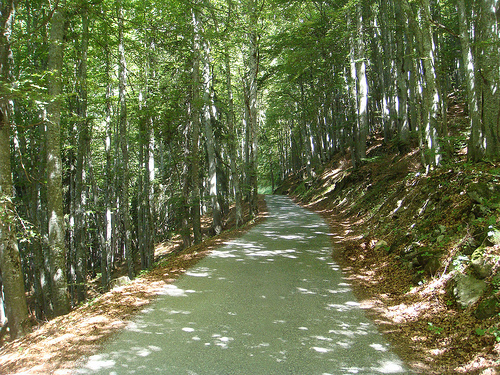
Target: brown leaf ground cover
(390,199)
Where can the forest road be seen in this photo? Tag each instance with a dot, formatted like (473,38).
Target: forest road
(270,302)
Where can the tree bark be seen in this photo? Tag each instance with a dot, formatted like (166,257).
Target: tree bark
(195,108)
(10,261)
(209,137)
(235,177)
(489,78)
(57,257)
(124,153)
(476,142)
(253,69)
(81,194)
(431,152)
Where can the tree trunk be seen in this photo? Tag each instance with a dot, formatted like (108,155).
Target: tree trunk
(359,90)
(124,154)
(402,79)
(10,261)
(253,70)
(57,256)
(476,146)
(489,67)
(431,102)
(108,249)
(209,136)
(195,108)
(235,177)
(81,194)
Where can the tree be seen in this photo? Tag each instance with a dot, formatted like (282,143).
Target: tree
(476,141)
(123,173)
(488,76)
(56,231)
(10,261)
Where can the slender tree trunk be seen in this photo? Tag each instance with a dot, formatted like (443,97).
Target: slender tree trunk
(57,257)
(402,79)
(10,261)
(235,177)
(359,90)
(195,108)
(81,162)
(107,251)
(430,95)
(124,153)
(209,136)
(489,68)
(252,111)
(476,145)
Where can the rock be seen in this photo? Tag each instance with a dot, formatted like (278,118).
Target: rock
(487,308)
(493,236)
(120,281)
(467,290)
(485,194)
(381,245)
(432,266)
(481,267)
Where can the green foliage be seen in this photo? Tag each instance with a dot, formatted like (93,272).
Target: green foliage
(434,329)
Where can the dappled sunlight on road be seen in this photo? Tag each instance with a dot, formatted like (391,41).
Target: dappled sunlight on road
(271,302)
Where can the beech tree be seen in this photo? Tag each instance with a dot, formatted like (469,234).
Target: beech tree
(10,261)
(56,231)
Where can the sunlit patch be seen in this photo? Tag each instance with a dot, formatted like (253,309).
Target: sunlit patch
(142,352)
(389,367)
(320,349)
(352,370)
(188,329)
(99,362)
(199,272)
(303,328)
(322,338)
(173,291)
(343,344)
(305,291)
(378,347)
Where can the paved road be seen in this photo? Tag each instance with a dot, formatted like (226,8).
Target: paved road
(271,302)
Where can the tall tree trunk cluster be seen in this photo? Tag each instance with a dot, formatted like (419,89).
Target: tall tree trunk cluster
(115,156)
(392,74)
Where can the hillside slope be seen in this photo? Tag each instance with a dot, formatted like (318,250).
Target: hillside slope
(421,250)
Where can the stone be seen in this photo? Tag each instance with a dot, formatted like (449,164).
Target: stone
(481,267)
(381,245)
(467,290)
(119,281)
(493,236)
